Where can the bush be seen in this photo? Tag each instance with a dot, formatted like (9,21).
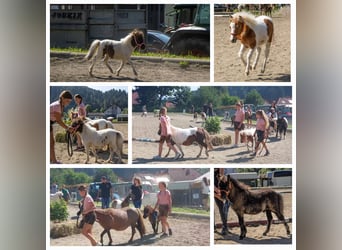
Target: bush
(58,210)
(213,125)
(61,137)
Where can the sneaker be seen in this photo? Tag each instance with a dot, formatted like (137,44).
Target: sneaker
(163,235)
(157,157)
(170,231)
(235,146)
(253,154)
(177,156)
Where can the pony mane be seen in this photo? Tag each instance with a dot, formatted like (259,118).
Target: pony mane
(239,185)
(248,18)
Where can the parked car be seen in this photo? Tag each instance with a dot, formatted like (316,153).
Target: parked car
(155,41)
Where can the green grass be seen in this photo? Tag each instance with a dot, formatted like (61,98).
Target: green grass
(189,210)
(135,53)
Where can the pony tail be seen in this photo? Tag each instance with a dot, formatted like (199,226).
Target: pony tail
(93,48)
(141,223)
(207,139)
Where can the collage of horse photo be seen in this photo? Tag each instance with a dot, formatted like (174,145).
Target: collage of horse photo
(196,100)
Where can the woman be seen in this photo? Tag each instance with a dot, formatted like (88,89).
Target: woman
(89,216)
(205,193)
(164,204)
(165,134)
(238,122)
(137,192)
(262,125)
(81,114)
(56,115)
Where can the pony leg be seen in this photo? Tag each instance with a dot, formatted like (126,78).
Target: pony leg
(282,218)
(258,50)
(109,237)
(90,69)
(120,68)
(103,232)
(242,227)
(87,153)
(105,59)
(133,232)
(181,151)
(111,152)
(133,68)
(241,52)
(269,221)
(248,65)
(267,52)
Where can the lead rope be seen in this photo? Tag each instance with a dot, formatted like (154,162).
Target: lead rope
(69,143)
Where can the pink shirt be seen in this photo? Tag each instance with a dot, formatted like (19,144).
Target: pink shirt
(55,107)
(164,198)
(260,124)
(165,125)
(82,110)
(239,116)
(88,204)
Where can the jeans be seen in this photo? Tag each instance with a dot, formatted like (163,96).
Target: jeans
(223,208)
(137,203)
(105,202)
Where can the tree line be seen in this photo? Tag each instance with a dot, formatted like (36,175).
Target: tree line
(183,98)
(95,100)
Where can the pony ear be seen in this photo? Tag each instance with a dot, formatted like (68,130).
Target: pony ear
(240,19)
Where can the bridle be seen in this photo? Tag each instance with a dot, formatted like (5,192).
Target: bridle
(136,42)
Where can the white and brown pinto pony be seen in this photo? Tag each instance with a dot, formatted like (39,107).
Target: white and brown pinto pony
(253,32)
(119,50)
(187,136)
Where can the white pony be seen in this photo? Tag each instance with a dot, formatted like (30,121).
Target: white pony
(186,137)
(56,196)
(253,32)
(120,50)
(100,124)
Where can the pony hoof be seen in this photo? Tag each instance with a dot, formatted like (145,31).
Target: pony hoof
(241,238)
(264,234)
(247,73)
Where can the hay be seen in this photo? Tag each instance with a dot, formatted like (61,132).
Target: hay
(221,139)
(63,229)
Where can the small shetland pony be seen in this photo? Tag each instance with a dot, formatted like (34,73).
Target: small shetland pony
(120,219)
(247,136)
(246,201)
(187,136)
(93,139)
(120,50)
(153,217)
(121,204)
(282,125)
(253,32)
(100,124)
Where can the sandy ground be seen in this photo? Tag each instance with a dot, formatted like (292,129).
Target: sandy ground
(277,234)
(80,157)
(73,68)
(147,127)
(229,68)
(187,231)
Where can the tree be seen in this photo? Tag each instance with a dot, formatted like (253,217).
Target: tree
(253,97)
(110,175)
(182,98)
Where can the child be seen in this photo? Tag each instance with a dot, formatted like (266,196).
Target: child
(238,122)
(164,204)
(165,134)
(262,125)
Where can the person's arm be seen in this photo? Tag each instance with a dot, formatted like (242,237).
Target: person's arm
(142,193)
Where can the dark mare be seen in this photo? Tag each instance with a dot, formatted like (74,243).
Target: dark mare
(153,217)
(245,201)
(120,219)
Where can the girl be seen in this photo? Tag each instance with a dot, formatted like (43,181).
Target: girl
(81,113)
(262,125)
(164,204)
(238,122)
(137,192)
(249,117)
(89,216)
(56,115)
(165,134)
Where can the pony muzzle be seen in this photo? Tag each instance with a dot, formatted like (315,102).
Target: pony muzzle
(233,38)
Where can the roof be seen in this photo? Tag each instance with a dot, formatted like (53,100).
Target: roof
(183,174)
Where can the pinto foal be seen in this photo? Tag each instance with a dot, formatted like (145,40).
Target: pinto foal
(120,50)
(253,32)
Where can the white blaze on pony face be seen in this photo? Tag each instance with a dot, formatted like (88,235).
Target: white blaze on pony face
(232,31)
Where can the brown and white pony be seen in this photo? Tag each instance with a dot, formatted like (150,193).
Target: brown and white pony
(253,32)
(187,136)
(120,50)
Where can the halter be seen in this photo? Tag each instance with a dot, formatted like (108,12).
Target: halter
(136,42)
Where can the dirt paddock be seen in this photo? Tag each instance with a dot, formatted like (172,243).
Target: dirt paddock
(147,127)
(68,67)
(187,231)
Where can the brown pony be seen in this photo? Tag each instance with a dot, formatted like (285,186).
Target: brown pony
(120,219)
(246,201)
(153,217)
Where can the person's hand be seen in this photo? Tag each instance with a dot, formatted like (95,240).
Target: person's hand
(70,129)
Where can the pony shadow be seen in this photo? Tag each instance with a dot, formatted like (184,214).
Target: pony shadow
(241,159)
(124,78)
(219,149)
(247,240)
(146,240)
(278,78)
(144,160)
